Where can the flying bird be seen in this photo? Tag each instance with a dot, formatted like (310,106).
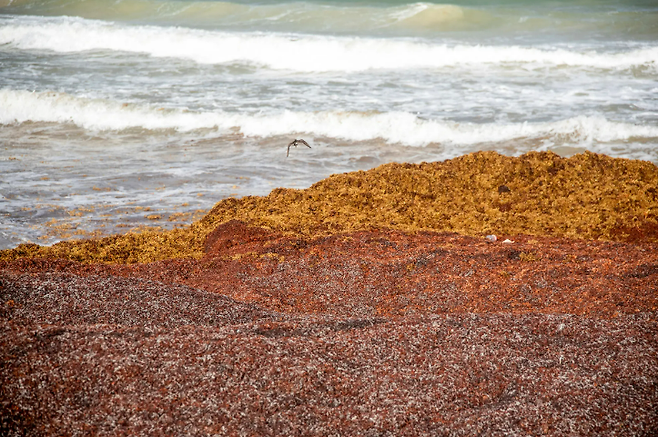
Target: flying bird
(296,143)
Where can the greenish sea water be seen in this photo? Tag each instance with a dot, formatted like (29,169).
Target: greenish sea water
(135,112)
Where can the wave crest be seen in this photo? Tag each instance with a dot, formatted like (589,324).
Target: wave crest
(306,53)
(426,15)
(393,127)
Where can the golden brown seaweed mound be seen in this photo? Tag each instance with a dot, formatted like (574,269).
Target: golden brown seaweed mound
(586,196)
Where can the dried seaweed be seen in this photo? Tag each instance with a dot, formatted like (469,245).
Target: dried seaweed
(586,196)
(368,333)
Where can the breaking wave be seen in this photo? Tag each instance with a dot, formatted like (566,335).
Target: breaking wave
(392,127)
(306,53)
(293,16)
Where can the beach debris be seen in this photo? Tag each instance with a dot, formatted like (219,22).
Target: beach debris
(491,238)
(508,241)
(295,143)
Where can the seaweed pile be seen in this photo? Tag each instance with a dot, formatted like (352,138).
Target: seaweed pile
(586,196)
(368,304)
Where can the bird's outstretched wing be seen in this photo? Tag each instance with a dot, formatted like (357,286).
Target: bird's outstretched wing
(295,143)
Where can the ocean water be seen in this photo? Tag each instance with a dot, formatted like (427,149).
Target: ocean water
(120,114)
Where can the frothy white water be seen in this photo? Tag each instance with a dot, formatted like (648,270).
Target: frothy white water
(151,110)
(306,53)
(392,127)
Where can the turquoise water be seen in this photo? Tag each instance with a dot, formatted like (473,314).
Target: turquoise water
(113,112)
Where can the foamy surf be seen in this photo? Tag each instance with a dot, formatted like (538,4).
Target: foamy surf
(300,52)
(392,127)
(173,105)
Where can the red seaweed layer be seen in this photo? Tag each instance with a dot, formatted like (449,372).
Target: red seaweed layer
(373,333)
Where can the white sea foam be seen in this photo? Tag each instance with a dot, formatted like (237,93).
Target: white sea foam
(298,52)
(392,127)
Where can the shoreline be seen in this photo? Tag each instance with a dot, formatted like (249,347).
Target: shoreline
(588,196)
